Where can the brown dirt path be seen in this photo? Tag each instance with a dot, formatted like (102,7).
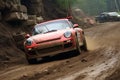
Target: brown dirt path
(99,62)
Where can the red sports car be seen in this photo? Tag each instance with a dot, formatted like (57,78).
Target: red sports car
(53,37)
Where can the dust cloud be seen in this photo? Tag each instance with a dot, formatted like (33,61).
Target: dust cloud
(91,43)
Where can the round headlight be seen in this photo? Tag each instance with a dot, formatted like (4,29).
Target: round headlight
(28,42)
(67,34)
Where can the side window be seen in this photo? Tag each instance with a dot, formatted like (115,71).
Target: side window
(71,24)
(35,32)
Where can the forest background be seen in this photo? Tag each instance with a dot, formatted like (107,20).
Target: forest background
(91,7)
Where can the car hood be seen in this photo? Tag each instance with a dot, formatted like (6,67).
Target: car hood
(49,36)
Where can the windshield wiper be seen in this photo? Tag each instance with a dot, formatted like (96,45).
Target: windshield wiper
(51,31)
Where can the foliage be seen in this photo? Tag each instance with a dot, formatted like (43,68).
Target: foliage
(92,7)
(64,3)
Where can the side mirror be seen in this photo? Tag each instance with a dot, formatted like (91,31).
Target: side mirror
(27,35)
(69,17)
(75,26)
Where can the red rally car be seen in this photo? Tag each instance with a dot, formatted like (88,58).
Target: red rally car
(53,37)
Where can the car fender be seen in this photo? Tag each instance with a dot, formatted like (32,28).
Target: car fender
(79,35)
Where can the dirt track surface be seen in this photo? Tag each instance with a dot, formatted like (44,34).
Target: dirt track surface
(101,61)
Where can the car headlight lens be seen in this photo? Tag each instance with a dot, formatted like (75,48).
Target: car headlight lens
(67,34)
(29,42)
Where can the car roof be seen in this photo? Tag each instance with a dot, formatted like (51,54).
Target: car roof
(63,19)
(109,12)
(113,13)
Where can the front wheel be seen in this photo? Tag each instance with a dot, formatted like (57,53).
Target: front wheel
(84,46)
(32,61)
(78,50)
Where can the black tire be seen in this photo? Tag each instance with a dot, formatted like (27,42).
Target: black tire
(32,61)
(78,50)
(84,47)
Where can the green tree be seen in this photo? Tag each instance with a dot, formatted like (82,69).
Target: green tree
(91,7)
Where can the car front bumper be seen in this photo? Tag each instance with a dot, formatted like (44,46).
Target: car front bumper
(50,48)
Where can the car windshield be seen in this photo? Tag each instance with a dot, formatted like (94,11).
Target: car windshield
(113,13)
(51,27)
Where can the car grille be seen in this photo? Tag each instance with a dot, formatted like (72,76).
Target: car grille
(48,41)
(50,49)
(32,53)
(67,45)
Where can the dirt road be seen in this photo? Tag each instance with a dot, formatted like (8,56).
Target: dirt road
(101,61)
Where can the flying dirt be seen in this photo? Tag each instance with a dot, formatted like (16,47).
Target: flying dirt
(99,63)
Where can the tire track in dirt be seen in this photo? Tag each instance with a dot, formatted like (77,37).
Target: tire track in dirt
(25,70)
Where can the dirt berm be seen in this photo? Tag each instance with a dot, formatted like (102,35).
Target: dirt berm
(9,53)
